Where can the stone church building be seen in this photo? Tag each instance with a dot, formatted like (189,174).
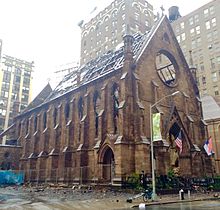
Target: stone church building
(95,125)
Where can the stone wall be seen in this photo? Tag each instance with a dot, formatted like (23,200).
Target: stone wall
(9,157)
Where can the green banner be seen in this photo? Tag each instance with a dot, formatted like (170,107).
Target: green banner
(156,127)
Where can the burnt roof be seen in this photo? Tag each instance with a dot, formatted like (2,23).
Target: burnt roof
(96,68)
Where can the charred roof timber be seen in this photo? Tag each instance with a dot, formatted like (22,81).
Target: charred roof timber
(98,67)
(174,13)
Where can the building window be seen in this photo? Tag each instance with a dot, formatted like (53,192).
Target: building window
(218,60)
(92,29)
(136,15)
(97,28)
(67,112)
(4,94)
(193,44)
(206,13)
(97,109)
(25,98)
(212,63)
(3,112)
(25,90)
(45,120)
(35,123)
(191,21)
(27,73)
(209,37)
(18,71)
(166,68)
(183,36)
(27,126)
(211,10)
(182,25)
(26,81)
(213,22)
(123,27)
(207,25)
(192,31)
(147,23)
(178,38)
(198,41)
(196,17)
(114,13)
(114,23)
(216,91)
(123,7)
(115,95)
(215,34)
(203,80)
(202,67)
(17,79)
(177,29)
(7,77)
(214,77)
(80,108)
(55,113)
(197,30)
(5,86)
(123,16)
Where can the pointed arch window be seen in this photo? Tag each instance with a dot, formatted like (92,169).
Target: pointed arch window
(45,120)
(115,95)
(96,104)
(55,113)
(80,108)
(27,126)
(19,128)
(35,123)
(67,112)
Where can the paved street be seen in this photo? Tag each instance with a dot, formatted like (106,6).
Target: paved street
(197,205)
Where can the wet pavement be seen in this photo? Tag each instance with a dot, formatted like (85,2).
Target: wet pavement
(62,199)
(197,205)
(25,198)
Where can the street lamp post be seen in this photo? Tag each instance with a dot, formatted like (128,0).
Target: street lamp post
(152,145)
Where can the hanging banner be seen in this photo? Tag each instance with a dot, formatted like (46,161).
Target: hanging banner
(156,127)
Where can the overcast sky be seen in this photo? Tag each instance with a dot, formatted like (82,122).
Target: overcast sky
(46,31)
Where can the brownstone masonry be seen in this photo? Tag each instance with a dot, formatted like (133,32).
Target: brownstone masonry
(95,125)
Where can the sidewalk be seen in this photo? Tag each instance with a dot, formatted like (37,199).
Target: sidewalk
(168,199)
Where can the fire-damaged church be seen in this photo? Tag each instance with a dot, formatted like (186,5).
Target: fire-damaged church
(95,125)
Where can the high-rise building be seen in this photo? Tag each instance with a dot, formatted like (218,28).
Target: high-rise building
(15,88)
(199,32)
(105,31)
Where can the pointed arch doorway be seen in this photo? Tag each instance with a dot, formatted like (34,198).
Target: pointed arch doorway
(108,164)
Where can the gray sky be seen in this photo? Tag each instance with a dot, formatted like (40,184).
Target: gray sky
(46,31)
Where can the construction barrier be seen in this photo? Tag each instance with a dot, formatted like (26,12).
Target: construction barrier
(11,177)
